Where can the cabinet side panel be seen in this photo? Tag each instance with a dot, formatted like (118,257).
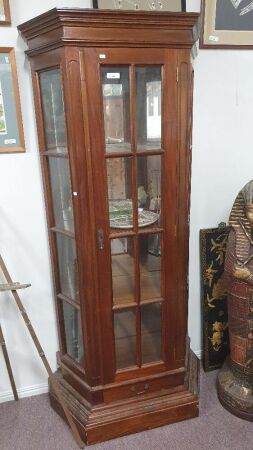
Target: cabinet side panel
(183,199)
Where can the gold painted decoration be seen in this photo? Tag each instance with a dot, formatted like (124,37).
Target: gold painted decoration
(213,243)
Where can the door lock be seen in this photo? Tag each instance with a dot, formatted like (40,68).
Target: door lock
(100,239)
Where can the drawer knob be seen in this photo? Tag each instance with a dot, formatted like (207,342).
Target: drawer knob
(135,389)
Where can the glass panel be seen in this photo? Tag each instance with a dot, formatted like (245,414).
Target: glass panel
(125,338)
(10,129)
(61,193)
(122,251)
(67,266)
(149,190)
(150,266)
(148,104)
(53,109)
(151,333)
(116,108)
(120,192)
(73,332)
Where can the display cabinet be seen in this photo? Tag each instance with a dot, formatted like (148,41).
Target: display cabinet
(113,97)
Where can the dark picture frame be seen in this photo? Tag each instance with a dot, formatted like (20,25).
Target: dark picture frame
(96,5)
(226,24)
(5,15)
(11,125)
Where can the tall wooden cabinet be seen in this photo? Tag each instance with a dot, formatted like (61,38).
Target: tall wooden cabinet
(113,105)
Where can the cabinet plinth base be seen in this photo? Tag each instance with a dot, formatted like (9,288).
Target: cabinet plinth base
(235,392)
(107,421)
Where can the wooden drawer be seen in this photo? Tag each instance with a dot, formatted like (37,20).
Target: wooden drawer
(141,388)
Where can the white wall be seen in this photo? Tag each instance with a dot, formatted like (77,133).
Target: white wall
(23,235)
(222,154)
(222,158)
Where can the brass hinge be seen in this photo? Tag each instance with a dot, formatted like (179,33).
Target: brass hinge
(177,74)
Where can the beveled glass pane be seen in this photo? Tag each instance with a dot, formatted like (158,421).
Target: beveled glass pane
(151,333)
(150,266)
(73,332)
(67,261)
(119,182)
(148,105)
(61,193)
(122,251)
(53,110)
(116,108)
(125,338)
(149,190)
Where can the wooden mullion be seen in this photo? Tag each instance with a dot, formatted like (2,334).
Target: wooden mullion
(54,154)
(118,155)
(124,306)
(150,152)
(152,301)
(121,234)
(150,230)
(135,212)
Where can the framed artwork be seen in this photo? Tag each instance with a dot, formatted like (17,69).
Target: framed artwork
(155,5)
(227,24)
(5,17)
(11,127)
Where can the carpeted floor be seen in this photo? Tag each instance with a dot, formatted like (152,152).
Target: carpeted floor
(31,424)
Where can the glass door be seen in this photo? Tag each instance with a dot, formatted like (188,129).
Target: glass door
(132,110)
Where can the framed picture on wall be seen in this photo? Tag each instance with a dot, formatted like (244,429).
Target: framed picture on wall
(153,5)
(227,24)
(11,127)
(5,16)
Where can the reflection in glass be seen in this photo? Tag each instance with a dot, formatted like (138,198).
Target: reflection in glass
(125,338)
(53,110)
(120,192)
(148,91)
(61,193)
(150,266)
(151,333)
(116,108)
(67,261)
(73,332)
(149,189)
(122,252)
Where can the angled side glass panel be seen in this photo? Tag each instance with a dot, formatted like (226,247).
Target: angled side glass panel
(61,193)
(123,280)
(53,110)
(149,190)
(148,105)
(116,105)
(73,332)
(119,184)
(151,333)
(150,266)
(66,251)
(125,338)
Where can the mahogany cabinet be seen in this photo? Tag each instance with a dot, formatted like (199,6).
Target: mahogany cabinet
(113,101)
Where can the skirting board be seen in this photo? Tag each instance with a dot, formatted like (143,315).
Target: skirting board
(42,388)
(199,354)
(28,391)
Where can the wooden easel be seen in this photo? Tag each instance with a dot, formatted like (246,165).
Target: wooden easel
(13,287)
